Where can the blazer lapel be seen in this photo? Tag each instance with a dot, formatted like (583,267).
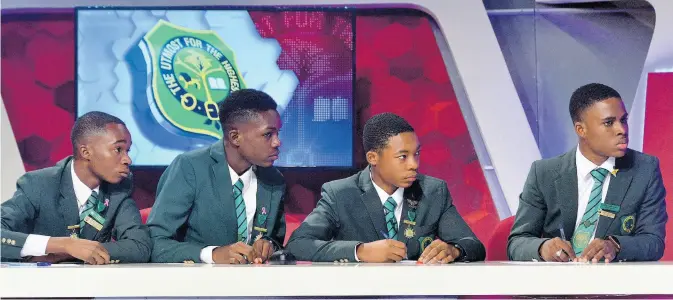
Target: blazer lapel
(619,185)
(265,205)
(223,208)
(67,202)
(113,200)
(566,194)
(371,201)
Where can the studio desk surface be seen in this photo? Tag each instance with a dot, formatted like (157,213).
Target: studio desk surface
(335,279)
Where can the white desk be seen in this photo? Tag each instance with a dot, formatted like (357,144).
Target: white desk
(197,280)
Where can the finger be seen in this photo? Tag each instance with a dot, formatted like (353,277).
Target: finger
(564,257)
(256,252)
(243,249)
(554,251)
(258,260)
(567,248)
(266,250)
(237,258)
(104,254)
(429,253)
(97,258)
(429,248)
(441,255)
(90,260)
(398,251)
(447,259)
(590,251)
(609,257)
(395,257)
(451,257)
(598,256)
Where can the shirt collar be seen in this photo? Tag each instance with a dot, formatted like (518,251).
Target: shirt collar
(585,166)
(82,191)
(397,194)
(246,177)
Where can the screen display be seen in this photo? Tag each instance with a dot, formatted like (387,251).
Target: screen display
(165,72)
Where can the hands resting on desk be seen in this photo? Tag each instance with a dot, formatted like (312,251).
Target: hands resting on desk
(386,251)
(60,249)
(242,253)
(558,250)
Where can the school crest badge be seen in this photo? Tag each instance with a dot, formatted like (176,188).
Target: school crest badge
(191,73)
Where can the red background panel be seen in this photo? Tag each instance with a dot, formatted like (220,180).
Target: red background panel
(658,140)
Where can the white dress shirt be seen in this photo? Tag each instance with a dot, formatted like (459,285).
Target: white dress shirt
(36,245)
(398,196)
(585,182)
(249,197)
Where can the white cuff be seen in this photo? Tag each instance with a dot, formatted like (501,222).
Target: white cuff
(207,254)
(35,245)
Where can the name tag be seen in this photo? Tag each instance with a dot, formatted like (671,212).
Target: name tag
(93,223)
(606,214)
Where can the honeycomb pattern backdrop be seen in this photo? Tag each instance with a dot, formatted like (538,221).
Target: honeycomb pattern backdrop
(399,68)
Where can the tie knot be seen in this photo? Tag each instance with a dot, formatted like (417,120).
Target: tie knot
(599,174)
(390,204)
(94,197)
(239,185)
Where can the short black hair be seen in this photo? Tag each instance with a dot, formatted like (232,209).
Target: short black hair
(244,105)
(89,124)
(586,95)
(380,128)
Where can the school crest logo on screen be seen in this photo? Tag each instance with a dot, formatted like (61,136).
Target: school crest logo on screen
(191,73)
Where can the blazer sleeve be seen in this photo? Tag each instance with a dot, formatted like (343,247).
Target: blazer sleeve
(18,214)
(313,240)
(647,244)
(133,243)
(174,200)
(453,229)
(524,240)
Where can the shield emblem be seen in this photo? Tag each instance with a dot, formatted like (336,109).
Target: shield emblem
(192,72)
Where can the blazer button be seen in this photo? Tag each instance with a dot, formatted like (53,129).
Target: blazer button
(13,242)
(3,240)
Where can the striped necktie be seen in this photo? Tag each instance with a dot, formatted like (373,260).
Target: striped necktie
(241,218)
(90,206)
(586,227)
(391,222)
